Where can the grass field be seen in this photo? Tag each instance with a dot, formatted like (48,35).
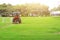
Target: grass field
(31,28)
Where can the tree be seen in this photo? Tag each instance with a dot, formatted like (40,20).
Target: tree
(25,9)
(6,9)
(56,8)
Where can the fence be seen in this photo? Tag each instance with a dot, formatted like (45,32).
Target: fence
(6,19)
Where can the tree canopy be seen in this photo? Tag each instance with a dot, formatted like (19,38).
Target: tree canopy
(25,9)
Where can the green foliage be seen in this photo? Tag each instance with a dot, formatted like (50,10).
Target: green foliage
(26,9)
(5,9)
(56,8)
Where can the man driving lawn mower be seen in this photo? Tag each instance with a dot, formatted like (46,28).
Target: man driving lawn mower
(16,19)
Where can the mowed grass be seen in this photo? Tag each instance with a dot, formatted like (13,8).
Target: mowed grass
(31,28)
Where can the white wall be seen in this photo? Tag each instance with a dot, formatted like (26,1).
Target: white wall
(54,13)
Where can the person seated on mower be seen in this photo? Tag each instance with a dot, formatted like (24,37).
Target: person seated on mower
(16,19)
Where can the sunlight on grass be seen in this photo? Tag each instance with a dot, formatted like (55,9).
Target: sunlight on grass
(32,28)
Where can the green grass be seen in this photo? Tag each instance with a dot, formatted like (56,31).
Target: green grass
(31,28)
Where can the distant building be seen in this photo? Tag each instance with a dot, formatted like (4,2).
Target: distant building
(55,13)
